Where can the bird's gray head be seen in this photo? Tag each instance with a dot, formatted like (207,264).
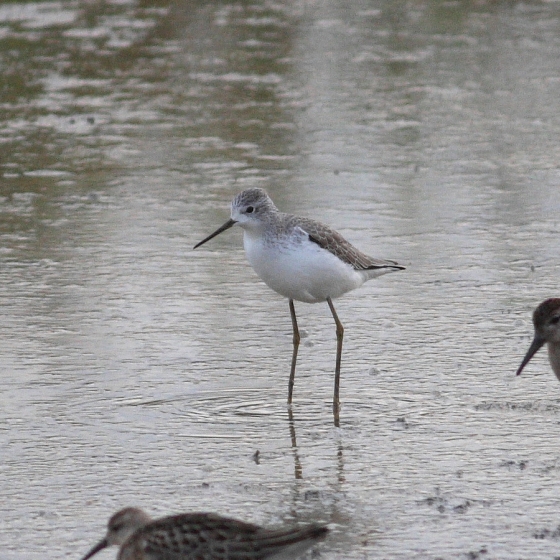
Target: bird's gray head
(248,209)
(120,528)
(124,523)
(251,205)
(546,320)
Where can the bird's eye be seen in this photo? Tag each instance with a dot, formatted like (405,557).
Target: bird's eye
(555,320)
(249,210)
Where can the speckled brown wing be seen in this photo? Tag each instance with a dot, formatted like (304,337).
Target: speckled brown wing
(277,543)
(206,536)
(333,242)
(192,536)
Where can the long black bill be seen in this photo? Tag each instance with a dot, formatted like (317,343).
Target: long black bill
(99,546)
(227,225)
(536,345)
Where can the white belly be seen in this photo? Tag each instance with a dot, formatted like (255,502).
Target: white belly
(299,269)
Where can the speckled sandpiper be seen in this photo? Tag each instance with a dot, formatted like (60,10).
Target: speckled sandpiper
(202,536)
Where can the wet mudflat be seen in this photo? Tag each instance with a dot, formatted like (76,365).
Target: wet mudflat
(136,371)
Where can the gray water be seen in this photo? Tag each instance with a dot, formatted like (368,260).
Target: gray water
(136,371)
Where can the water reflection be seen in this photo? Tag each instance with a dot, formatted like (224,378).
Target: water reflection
(137,372)
(298,470)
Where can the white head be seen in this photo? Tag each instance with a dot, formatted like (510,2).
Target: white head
(248,210)
(249,207)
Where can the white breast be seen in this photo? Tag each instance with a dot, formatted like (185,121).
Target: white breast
(299,269)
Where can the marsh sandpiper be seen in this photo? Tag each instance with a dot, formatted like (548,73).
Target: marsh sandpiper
(546,320)
(302,260)
(202,536)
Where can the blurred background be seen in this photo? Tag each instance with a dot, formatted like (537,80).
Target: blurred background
(135,371)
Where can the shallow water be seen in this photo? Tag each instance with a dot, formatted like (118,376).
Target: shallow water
(139,372)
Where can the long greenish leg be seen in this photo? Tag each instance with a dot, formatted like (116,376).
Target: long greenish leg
(339,337)
(295,351)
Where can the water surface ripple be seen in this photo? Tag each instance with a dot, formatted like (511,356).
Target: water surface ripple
(136,371)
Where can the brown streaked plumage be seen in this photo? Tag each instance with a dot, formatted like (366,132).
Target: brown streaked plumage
(202,536)
(332,241)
